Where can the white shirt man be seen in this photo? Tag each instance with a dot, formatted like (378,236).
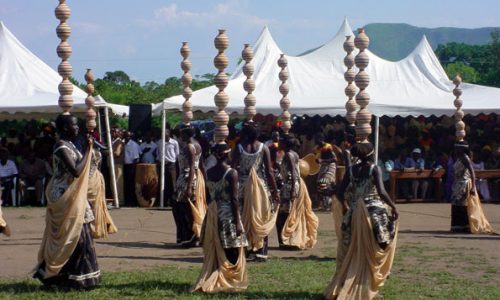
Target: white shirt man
(132,152)
(8,169)
(171,150)
(171,154)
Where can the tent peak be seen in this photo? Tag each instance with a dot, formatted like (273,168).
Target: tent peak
(346,27)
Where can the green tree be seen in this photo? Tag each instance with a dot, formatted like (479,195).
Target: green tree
(117,77)
(468,73)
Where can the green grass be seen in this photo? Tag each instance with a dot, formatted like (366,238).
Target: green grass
(419,272)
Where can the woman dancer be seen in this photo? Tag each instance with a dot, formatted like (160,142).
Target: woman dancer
(252,160)
(327,171)
(466,212)
(102,224)
(67,256)
(190,189)
(296,222)
(366,253)
(223,239)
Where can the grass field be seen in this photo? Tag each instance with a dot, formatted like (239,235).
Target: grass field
(419,272)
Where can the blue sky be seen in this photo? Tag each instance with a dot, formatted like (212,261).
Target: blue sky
(143,38)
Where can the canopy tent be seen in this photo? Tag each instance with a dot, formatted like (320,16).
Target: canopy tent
(29,89)
(416,85)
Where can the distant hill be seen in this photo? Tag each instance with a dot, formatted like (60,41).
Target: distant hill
(394,41)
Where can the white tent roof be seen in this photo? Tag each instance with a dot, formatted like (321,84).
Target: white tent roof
(29,87)
(415,85)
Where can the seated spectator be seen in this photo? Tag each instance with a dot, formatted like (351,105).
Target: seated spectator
(404,162)
(8,171)
(419,164)
(31,174)
(481,183)
(426,140)
(386,164)
(148,149)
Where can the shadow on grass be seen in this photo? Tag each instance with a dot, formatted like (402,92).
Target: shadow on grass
(178,259)
(182,289)
(442,234)
(307,258)
(31,286)
(141,245)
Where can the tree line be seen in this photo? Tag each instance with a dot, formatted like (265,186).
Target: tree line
(479,64)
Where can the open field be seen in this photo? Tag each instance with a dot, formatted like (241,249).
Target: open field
(142,261)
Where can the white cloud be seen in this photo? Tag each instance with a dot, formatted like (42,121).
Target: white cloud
(227,12)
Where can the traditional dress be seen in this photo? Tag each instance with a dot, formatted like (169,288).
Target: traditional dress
(296,223)
(224,263)
(289,191)
(365,256)
(259,213)
(187,219)
(103,223)
(67,255)
(466,211)
(326,175)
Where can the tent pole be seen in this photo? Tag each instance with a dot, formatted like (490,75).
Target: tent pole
(99,125)
(376,139)
(114,188)
(162,159)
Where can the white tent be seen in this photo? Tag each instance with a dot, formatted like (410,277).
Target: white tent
(416,85)
(29,88)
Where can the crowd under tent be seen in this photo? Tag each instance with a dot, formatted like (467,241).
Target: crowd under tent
(29,90)
(414,86)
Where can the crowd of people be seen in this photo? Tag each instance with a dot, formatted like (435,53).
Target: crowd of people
(228,196)
(405,143)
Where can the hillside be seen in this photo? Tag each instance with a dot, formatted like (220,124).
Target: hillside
(395,41)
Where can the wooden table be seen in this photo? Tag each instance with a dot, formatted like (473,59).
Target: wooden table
(488,174)
(416,174)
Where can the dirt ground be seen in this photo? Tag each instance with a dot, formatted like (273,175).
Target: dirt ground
(146,238)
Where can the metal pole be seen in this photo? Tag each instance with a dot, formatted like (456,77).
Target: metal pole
(99,125)
(376,138)
(162,160)
(114,188)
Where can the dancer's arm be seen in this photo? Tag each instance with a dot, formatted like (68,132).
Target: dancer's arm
(468,165)
(379,184)
(293,161)
(190,156)
(232,178)
(340,191)
(71,165)
(235,158)
(270,176)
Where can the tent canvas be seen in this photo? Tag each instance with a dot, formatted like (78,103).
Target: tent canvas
(29,87)
(416,85)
